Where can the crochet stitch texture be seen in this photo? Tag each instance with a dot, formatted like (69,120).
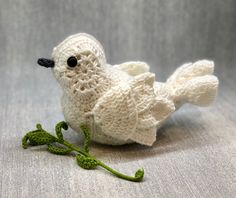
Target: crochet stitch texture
(123,103)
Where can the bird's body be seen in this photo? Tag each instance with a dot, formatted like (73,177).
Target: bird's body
(123,103)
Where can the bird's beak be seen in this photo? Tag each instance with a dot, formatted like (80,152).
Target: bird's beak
(45,62)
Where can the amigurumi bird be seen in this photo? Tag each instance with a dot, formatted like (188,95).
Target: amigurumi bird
(123,103)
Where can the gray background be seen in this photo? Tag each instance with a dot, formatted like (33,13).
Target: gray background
(194,155)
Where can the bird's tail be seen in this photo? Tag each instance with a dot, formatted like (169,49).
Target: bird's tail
(193,83)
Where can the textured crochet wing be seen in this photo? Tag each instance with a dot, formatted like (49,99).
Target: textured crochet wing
(115,112)
(132,111)
(152,108)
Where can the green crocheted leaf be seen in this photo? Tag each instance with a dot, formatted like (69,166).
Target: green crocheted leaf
(86,162)
(38,137)
(41,138)
(59,126)
(58,150)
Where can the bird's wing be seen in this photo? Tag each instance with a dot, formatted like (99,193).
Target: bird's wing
(132,110)
(133,68)
(115,112)
(152,108)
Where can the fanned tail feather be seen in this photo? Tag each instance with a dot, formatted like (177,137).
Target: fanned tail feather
(193,83)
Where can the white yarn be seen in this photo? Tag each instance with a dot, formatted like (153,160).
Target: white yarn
(123,103)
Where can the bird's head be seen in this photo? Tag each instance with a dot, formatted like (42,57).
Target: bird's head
(77,63)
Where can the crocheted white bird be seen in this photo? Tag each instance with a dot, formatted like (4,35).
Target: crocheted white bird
(123,103)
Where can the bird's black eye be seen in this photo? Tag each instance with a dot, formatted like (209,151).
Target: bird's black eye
(72,61)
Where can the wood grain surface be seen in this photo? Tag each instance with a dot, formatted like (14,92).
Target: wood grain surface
(195,153)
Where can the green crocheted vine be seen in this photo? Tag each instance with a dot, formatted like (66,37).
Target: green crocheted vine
(58,145)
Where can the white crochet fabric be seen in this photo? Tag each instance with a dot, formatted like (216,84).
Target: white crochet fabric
(124,103)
